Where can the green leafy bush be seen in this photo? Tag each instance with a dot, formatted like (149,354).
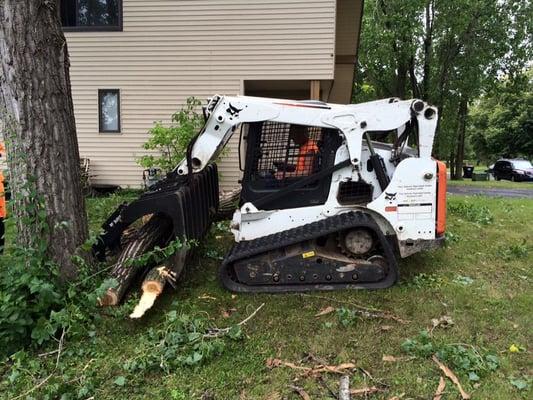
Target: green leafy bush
(476,213)
(514,251)
(35,306)
(28,294)
(346,316)
(181,340)
(171,141)
(426,281)
(464,359)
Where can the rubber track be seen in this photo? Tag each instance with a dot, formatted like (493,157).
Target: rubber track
(300,234)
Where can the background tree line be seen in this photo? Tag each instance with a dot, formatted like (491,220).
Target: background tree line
(467,57)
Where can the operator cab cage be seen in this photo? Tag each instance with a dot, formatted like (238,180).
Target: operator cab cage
(274,161)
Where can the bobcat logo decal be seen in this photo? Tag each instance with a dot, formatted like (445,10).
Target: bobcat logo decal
(390,196)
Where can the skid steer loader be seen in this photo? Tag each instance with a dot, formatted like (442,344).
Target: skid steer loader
(332,195)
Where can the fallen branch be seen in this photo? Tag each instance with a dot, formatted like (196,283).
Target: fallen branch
(440,389)
(448,372)
(40,384)
(365,391)
(216,332)
(303,394)
(324,384)
(336,369)
(364,311)
(344,388)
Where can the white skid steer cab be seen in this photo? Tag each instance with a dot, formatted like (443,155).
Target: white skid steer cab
(331,195)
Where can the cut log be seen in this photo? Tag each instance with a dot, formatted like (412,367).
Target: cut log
(155,281)
(228,202)
(155,232)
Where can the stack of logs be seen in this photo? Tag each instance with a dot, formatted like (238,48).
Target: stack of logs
(155,231)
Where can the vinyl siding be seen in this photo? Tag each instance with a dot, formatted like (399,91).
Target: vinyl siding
(169,50)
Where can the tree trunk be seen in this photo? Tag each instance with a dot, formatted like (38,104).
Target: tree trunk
(36,106)
(428,42)
(452,164)
(460,152)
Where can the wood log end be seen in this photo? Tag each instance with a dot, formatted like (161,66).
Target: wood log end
(152,287)
(110,298)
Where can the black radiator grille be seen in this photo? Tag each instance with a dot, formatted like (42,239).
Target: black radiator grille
(354,193)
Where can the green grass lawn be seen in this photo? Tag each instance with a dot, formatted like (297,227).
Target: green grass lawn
(492,184)
(481,280)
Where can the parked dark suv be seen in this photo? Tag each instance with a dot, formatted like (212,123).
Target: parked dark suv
(514,170)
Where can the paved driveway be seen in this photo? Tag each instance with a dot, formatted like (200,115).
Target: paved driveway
(470,190)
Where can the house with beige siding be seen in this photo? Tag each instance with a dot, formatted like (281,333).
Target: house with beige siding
(134,62)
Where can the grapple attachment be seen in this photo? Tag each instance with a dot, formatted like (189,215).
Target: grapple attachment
(190,202)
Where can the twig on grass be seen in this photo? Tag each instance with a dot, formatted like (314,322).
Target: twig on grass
(440,389)
(217,332)
(40,384)
(364,311)
(365,391)
(448,372)
(78,378)
(303,394)
(326,386)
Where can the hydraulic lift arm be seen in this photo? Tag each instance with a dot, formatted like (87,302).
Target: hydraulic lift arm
(224,114)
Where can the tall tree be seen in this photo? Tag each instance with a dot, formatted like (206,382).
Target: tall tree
(40,132)
(445,52)
(501,122)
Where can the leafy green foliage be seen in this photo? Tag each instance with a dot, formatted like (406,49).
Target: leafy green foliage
(447,53)
(519,383)
(463,280)
(171,141)
(463,359)
(502,120)
(514,251)
(28,294)
(159,254)
(35,306)
(452,237)
(472,212)
(182,340)
(426,281)
(346,316)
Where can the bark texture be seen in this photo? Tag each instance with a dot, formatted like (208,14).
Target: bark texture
(228,203)
(155,232)
(460,153)
(40,132)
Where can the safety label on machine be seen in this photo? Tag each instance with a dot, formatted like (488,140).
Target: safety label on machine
(308,254)
(415,194)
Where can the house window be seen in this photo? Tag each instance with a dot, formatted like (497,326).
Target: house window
(97,15)
(109,110)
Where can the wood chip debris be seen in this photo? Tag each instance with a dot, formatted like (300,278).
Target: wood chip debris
(335,369)
(442,322)
(448,372)
(440,389)
(227,313)
(365,391)
(389,358)
(325,311)
(206,297)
